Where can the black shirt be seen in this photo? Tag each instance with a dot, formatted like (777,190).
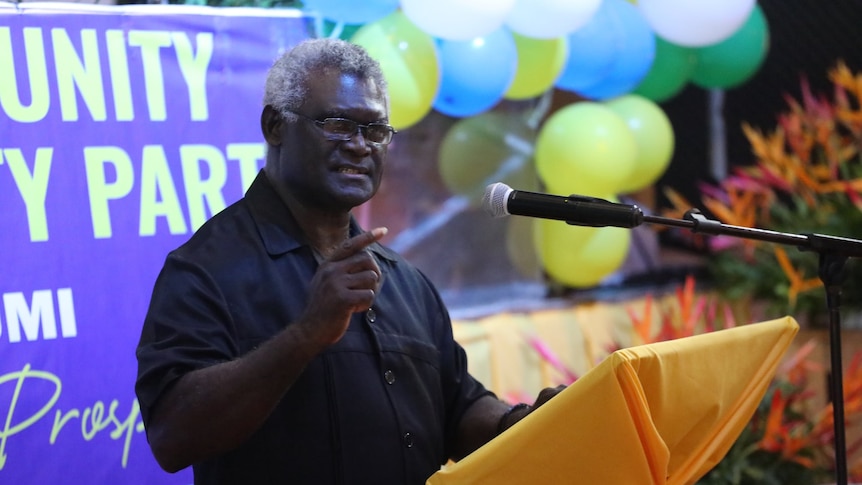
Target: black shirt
(380,406)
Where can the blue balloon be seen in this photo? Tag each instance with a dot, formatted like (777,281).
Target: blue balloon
(592,51)
(636,52)
(475,73)
(352,12)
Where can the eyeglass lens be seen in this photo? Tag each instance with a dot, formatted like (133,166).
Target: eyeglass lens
(344,129)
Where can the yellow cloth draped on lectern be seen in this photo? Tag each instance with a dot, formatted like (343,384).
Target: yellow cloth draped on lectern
(660,413)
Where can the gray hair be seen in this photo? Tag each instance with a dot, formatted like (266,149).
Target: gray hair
(289,77)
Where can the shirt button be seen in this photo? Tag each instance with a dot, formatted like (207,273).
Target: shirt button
(389,376)
(370,316)
(408,440)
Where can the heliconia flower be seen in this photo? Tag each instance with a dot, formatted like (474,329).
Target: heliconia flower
(679,203)
(817,106)
(642,326)
(798,365)
(798,282)
(741,180)
(729,320)
(773,434)
(782,437)
(765,147)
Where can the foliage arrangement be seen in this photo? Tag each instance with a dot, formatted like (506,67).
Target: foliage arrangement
(789,439)
(806,180)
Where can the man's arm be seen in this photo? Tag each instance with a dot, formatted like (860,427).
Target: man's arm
(215,409)
(488,416)
(212,410)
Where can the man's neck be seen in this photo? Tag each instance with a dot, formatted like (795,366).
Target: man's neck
(323,229)
(324,237)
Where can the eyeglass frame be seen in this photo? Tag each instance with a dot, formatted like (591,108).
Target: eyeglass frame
(357,128)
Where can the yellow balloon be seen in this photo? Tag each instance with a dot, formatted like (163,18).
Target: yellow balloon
(580,257)
(654,138)
(585,148)
(540,63)
(408,59)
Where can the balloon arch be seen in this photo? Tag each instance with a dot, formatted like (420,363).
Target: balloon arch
(621,58)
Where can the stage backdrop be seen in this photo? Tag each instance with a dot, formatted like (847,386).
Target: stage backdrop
(121,131)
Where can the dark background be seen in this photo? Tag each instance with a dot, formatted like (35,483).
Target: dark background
(807,38)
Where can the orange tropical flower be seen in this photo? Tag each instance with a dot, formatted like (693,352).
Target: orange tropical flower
(782,437)
(798,282)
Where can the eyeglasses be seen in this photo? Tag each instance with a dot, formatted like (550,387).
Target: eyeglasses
(344,129)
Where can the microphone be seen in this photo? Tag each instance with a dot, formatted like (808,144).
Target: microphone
(501,200)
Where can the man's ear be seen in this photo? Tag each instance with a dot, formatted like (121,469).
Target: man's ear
(270,125)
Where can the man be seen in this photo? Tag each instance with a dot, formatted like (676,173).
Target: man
(285,345)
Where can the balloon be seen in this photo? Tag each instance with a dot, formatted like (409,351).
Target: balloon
(540,62)
(340,30)
(351,12)
(585,148)
(549,19)
(670,71)
(521,248)
(695,24)
(457,19)
(653,134)
(734,60)
(634,57)
(475,73)
(408,59)
(592,50)
(491,147)
(579,256)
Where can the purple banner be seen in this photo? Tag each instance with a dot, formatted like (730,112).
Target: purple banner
(122,129)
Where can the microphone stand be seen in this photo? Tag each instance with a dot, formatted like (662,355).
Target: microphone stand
(833,253)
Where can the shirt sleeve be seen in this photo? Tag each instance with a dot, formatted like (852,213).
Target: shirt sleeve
(187,327)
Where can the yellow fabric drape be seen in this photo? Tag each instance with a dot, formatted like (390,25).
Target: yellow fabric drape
(653,414)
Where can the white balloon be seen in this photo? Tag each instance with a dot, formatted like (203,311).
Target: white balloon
(457,19)
(695,24)
(549,19)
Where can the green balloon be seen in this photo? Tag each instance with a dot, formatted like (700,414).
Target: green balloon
(491,147)
(521,248)
(670,71)
(734,60)
(345,31)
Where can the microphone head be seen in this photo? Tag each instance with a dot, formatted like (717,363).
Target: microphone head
(495,199)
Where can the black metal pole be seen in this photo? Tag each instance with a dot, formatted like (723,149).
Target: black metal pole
(832,274)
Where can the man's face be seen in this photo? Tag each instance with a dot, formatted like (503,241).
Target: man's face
(334,174)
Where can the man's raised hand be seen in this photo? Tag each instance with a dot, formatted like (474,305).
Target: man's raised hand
(346,282)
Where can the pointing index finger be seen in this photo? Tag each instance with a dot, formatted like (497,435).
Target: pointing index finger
(359,242)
